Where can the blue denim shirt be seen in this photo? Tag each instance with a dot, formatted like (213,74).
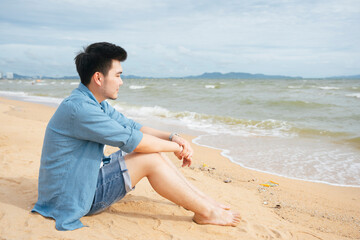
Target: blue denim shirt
(72,152)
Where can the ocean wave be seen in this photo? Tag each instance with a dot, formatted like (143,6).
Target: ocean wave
(212,86)
(23,96)
(135,87)
(329,88)
(40,83)
(305,132)
(298,104)
(355,141)
(213,124)
(356,95)
(216,124)
(13,94)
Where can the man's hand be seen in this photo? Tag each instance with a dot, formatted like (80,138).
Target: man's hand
(187,151)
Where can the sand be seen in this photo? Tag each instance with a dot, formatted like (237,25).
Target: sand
(292,210)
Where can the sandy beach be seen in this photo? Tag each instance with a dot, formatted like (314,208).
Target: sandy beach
(293,209)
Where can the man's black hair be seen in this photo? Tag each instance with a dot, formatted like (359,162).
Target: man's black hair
(97,57)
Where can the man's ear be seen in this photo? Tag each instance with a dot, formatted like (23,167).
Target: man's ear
(98,78)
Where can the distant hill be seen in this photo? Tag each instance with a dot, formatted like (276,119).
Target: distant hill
(240,75)
(65,77)
(213,75)
(18,76)
(345,77)
(133,77)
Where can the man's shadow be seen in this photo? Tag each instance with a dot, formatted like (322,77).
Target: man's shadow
(21,192)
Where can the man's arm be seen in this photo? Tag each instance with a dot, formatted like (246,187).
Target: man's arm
(187,149)
(152,144)
(156,133)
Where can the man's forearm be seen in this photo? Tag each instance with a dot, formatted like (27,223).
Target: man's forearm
(152,144)
(155,132)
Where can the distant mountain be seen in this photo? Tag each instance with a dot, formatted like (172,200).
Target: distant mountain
(240,75)
(213,75)
(133,77)
(345,77)
(65,77)
(17,76)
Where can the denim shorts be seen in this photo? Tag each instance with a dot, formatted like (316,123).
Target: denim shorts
(113,183)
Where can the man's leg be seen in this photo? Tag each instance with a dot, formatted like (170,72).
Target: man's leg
(170,185)
(195,189)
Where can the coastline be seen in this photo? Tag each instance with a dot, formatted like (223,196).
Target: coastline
(225,154)
(294,209)
(280,140)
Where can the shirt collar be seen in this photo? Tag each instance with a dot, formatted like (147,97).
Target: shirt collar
(84,89)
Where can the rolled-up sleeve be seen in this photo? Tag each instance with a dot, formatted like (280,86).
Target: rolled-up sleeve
(119,117)
(91,123)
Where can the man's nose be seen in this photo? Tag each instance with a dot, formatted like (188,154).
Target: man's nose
(120,82)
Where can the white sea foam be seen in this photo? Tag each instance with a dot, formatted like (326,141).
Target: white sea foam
(74,83)
(29,98)
(135,87)
(305,159)
(146,111)
(329,88)
(356,95)
(13,94)
(213,124)
(41,84)
(210,86)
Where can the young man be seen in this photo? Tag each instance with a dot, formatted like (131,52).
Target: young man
(75,177)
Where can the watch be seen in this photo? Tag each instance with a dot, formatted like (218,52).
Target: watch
(172,135)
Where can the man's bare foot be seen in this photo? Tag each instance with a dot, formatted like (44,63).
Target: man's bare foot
(218,216)
(220,205)
(223,206)
(215,203)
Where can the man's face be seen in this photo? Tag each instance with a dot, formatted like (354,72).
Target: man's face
(112,81)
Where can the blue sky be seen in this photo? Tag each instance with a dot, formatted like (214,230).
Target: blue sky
(180,38)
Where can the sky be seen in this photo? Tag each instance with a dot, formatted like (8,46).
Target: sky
(308,38)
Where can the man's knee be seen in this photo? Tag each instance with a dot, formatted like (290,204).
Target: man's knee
(149,159)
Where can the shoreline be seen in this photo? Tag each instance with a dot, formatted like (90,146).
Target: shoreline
(54,102)
(225,155)
(294,209)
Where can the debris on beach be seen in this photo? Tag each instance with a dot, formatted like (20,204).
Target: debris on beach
(205,167)
(269,184)
(227,181)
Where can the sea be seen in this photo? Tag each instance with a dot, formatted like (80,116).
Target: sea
(306,129)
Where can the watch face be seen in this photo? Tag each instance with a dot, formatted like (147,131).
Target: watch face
(172,135)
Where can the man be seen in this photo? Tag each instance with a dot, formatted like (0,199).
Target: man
(76,179)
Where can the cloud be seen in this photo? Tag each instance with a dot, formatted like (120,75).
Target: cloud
(179,38)
(37,60)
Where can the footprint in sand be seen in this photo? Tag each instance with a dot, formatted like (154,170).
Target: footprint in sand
(261,232)
(306,236)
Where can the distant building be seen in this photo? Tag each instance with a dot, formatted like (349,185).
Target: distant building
(9,75)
